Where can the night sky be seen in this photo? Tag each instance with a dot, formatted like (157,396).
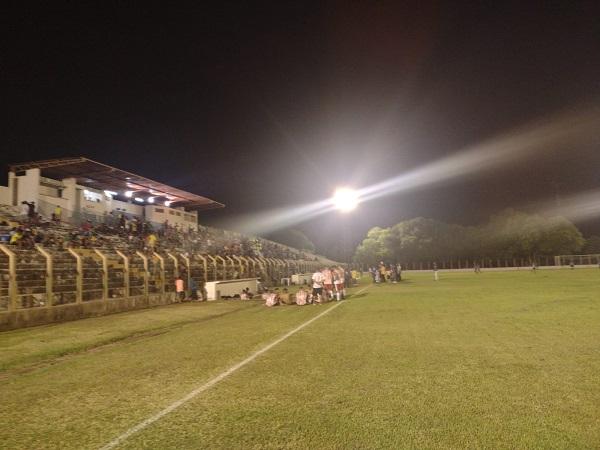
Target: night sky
(263,105)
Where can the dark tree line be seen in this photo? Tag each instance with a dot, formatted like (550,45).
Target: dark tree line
(510,234)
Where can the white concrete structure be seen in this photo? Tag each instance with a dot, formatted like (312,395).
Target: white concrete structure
(302,278)
(85,189)
(229,288)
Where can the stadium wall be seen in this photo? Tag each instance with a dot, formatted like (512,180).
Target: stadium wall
(61,313)
(41,286)
(5,195)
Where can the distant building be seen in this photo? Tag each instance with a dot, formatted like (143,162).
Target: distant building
(87,189)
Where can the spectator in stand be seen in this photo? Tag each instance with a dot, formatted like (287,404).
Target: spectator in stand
(24,211)
(151,242)
(86,227)
(16,234)
(57,214)
(31,211)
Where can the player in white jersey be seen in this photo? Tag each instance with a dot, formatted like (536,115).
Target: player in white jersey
(317,292)
(301,297)
(328,282)
(338,281)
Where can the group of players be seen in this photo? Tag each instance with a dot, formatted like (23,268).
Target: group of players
(327,284)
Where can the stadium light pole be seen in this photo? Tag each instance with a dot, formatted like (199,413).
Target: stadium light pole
(345,199)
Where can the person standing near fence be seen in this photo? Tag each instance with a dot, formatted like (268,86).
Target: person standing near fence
(180,289)
(435,272)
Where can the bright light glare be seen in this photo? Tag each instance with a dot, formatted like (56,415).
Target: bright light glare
(168,203)
(150,199)
(139,199)
(128,194)
(345,199)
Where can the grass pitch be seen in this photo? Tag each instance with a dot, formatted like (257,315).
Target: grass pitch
(499,360)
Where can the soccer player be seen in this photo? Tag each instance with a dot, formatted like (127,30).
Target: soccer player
(271,298)
(301,297)
(338,282)
(317,292)
(328,283)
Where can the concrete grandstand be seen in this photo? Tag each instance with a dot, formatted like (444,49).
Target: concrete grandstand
(79,238)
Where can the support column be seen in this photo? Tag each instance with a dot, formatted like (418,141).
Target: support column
(79,280)
(49,275)
(12,277)
(126,280)
(215,266)
(104,273)
(161,261)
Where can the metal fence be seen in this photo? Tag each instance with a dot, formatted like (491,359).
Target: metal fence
(43,278)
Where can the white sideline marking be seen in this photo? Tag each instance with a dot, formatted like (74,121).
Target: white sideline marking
(362,290)
(140,426)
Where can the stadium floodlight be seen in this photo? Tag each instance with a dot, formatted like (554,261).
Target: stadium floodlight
(345,199)
(150,199)
(110,193)
(128,194)
(139,199)
(168,203)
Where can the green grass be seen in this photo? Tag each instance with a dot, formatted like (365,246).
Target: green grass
(499,360)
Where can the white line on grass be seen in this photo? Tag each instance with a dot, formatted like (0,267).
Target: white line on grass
(172,407)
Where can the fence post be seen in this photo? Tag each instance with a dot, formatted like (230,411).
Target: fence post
(274,270)
(175,264)
(125,272)
(79,281)
(104,273)
(215,266)
(161,261)
(263,268)
(224,265)
(146,273)
(232,262)
(12,277)
(253,262)
(205,265)
(243,273)
(49,275)
(188,268)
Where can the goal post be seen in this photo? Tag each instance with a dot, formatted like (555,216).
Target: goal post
(577,260)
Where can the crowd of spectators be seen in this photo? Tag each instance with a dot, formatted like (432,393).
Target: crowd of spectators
(120,231)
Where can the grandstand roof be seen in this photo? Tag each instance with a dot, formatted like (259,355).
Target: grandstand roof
(101,176)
